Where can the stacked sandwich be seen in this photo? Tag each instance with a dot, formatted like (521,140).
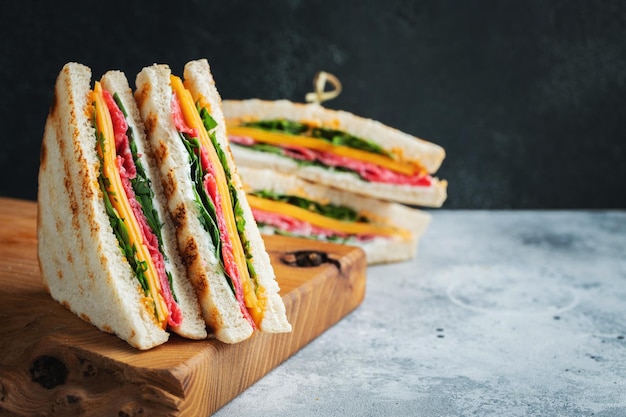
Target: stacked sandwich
(314,172)
(143,224)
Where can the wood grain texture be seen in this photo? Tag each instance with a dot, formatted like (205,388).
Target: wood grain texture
(53,363)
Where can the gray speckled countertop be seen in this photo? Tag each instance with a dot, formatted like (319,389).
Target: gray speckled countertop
(502,313)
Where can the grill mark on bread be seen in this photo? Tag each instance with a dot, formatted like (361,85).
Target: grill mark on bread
(72,197)
(199,281)
(92,277)
(190,258)
(179,216)
(160,152)
(55,103)
(142,94)
(102,257)
(85,192)
(87,173)
(189,252)
(170,185)
(43,156)
(68,178)
(67,182)
(216,318)
(86,318)
(150,124)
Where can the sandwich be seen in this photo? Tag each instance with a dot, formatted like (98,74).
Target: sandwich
(107,249)
(218,239)
(288,205)
(335,148)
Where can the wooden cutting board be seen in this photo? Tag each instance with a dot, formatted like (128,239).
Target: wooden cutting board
(53,363)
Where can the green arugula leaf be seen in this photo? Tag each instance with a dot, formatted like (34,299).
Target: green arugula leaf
(264,147)
(338,212)
(208,214)
(340,138)
(117,224)
(141,184)
(121,232)
(142,187)
(207,120)
(279,125)
(334,136)
(332,238)
(209,124)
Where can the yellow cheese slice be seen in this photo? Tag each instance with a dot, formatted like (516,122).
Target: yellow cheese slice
(120,202)
(316,219)
(254,298)
(284,139)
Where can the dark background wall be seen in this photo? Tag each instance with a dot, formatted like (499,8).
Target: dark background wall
(527,97)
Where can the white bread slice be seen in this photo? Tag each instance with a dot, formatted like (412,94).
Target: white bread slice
(192,326)
(80,259)
(427,153)
(199,81)
(378,250)
(433,196)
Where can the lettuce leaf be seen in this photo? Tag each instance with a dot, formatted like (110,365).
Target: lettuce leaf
(280,125)
(209,125)
(142,187)
(334,136)
(141,184)
(204,203)
(119,228)
(333,211)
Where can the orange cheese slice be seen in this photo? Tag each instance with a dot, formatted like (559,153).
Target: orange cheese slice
(285,139)
(254,298)
(316,219)
(120,203)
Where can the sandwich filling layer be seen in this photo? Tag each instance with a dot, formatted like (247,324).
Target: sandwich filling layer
(330,148)
(128,201)
(216,197)
(299,216)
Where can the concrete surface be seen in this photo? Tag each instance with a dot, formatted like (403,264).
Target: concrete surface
(503,313)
